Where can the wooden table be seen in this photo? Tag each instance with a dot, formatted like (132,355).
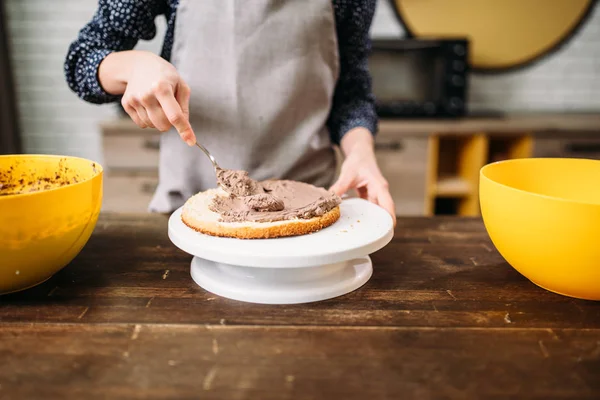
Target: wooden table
(443,317)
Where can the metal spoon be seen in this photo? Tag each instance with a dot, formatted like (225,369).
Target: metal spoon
(267,203)
(248,185)
(216,166)
(219,172)
(212,158)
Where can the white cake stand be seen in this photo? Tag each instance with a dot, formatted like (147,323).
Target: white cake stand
(300,269)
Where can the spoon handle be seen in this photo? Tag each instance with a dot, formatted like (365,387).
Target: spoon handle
(212,159)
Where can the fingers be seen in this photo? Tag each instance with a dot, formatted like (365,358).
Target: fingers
(344,183)
(162,108)
(143,113)
(175,113)
(182,95)
(384,199)
(363,193)
(372,195)
(144,116)
(378,192)
(362,174)
(183,99)
(133,114)
(155,112)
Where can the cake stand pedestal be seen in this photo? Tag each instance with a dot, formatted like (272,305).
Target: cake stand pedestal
(299,269)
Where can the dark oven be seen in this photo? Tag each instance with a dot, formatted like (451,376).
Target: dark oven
(415,78)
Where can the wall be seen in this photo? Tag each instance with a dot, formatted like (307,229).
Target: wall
(54,120)
(567,80)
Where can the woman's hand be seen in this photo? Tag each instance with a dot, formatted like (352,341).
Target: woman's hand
(361,172)
(154,95)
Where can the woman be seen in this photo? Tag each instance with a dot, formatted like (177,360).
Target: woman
(268,86)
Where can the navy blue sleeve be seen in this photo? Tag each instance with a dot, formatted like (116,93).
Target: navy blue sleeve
(353,102)
(117,25)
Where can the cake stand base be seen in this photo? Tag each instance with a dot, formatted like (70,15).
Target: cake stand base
(281,285)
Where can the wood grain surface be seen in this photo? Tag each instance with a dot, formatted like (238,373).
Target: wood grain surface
(442,317)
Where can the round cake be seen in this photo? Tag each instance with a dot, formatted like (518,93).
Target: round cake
(270,209)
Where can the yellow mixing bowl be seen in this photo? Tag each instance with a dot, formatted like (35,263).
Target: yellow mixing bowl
(543,216)
(49,206)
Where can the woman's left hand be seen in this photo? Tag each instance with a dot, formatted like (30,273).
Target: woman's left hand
(361,172)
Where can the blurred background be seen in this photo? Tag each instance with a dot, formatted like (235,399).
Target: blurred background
(458,84)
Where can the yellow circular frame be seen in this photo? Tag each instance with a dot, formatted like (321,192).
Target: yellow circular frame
(503,34)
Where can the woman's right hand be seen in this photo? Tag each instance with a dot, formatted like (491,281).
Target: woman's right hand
(154,95)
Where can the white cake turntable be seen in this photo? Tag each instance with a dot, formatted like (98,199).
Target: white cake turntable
(299,269)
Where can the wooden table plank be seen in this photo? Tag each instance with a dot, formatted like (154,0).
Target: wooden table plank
(436,272)
(442,317)
(179,361)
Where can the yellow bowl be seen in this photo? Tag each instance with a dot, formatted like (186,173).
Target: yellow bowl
(49,206)
(543,216)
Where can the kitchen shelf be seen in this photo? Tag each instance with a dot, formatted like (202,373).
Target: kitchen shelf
(446,206)
(455,161)
(453,186)
(502,147)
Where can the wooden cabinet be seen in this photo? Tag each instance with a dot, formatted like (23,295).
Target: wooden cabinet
(131,165)
(455,162)
(128,192)
(403,162)
(457,149)
(133,151)
(575,145)
(432,166)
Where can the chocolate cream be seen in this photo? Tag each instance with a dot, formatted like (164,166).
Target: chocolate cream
(269,201)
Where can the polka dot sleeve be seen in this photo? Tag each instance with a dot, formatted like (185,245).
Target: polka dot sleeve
(117,25)
(353,102)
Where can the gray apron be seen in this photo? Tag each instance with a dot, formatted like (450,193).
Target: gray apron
(262,75)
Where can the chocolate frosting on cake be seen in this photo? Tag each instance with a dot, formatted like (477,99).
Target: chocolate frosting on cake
(237,183)
(269,201)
